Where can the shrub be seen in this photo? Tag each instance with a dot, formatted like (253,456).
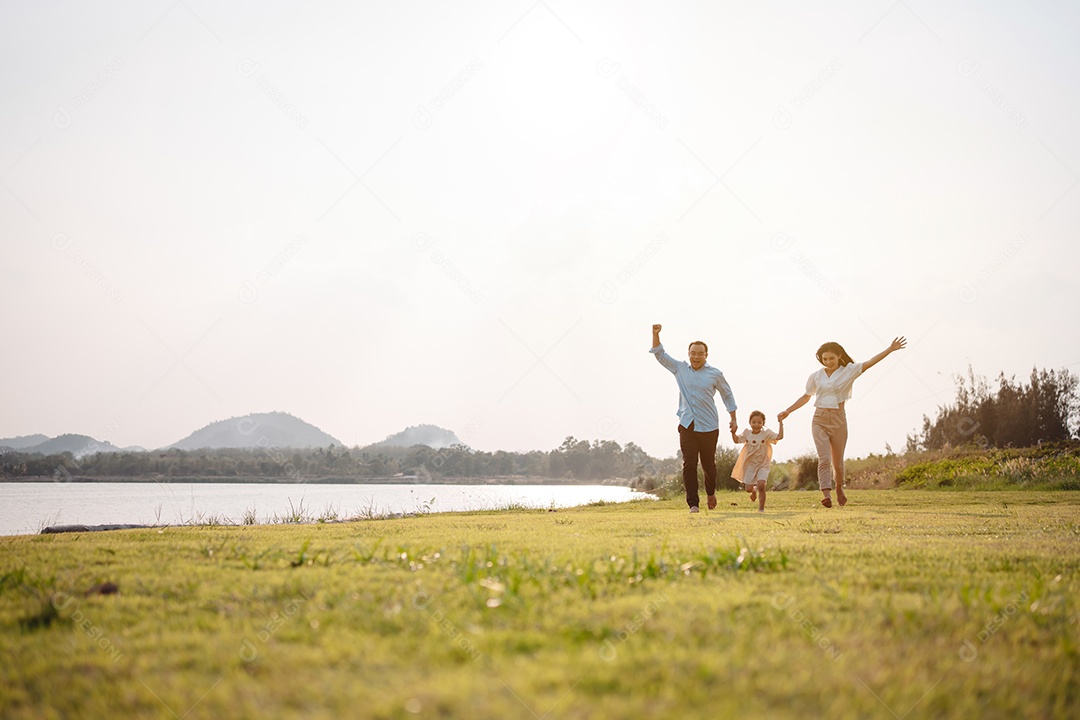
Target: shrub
(725,463)
(780,476)
(805,473)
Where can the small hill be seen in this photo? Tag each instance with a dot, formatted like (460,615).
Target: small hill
(430,435)
(276,429)
(23,441)
(77,445)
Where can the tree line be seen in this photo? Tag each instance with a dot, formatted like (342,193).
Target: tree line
(1006,413)
(575,459)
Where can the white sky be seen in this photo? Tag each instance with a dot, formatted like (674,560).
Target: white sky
(375,215)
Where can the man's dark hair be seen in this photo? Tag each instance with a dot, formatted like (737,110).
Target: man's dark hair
(698,342)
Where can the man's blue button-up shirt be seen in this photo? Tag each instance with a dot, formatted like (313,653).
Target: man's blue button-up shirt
(696,391)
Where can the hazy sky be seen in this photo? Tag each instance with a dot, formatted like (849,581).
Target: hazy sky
(376,215)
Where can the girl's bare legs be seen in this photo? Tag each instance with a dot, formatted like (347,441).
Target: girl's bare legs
(761,495)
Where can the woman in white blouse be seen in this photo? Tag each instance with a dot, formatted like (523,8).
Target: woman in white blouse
(832,387)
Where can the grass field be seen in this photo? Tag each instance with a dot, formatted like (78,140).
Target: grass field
(905,604)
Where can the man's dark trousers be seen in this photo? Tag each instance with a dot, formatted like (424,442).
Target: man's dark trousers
(694,445)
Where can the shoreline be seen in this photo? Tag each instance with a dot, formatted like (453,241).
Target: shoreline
(330,480)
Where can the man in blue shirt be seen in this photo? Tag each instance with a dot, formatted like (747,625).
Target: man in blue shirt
(699,421)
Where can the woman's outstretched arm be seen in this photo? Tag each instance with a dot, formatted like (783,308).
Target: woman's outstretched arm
(897,344)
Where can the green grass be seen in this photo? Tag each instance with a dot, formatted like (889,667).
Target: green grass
(1022,468)
(906,603)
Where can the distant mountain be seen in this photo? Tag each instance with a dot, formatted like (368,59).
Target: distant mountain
(276,429)
(430,435)
(23,441)
(77,445)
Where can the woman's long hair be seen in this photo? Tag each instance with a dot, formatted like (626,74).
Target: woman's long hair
(838,350)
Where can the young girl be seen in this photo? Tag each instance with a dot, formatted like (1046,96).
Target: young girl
(755,459)
(832,386)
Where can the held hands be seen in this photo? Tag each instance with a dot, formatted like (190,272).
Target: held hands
(781,415)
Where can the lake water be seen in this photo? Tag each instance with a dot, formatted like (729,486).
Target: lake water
(25,508)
